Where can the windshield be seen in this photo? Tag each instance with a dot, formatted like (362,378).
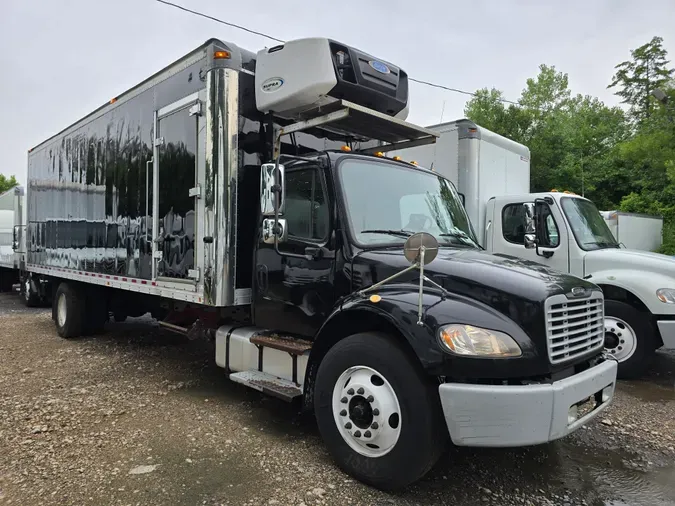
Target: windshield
(588,226)
(388,202)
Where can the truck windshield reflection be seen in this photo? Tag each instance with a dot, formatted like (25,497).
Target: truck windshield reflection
(589,228)
(387,202)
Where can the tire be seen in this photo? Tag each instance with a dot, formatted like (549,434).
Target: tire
(96,314)
(629,337)
(385,367)
(69,310)
(31,298)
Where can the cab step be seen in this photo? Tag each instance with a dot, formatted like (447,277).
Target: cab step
(268,384)
(291,345)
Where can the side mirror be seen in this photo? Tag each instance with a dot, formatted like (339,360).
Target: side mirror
(268,230)
(270,187)
(530,239)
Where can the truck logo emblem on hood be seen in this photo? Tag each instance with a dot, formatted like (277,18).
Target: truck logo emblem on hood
(578,291)
(379,66)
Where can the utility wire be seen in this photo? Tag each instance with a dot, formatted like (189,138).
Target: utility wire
(217,20)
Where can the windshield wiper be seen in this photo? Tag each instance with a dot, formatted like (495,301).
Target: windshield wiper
(603,244)
(464,239)
(397,233)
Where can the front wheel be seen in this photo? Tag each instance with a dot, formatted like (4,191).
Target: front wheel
(629,338)
(378,413)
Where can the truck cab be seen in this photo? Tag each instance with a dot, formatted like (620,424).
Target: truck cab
(570,235)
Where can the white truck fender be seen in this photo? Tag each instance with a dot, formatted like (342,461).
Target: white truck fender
(642,284)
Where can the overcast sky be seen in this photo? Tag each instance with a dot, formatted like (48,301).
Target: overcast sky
(61,59)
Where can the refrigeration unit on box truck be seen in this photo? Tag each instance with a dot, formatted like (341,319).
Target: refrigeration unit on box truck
(242,197)
(560,230)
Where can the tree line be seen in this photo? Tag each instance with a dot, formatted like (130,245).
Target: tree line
(618,157)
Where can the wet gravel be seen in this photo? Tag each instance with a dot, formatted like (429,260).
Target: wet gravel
(141,416)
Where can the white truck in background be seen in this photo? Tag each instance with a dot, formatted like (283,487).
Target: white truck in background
(12,237)
(634,230)
(560,230)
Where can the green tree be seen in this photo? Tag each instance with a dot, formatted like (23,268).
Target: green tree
(637,78)
(7,183)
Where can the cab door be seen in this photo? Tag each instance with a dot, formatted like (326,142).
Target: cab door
(294,289)
(509,233)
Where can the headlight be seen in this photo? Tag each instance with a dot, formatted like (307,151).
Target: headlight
(666,295)
(477,342)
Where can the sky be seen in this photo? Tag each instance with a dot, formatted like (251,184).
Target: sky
(62,59)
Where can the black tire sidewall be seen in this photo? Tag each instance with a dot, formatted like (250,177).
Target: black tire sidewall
(74,315)
(423,431)
(637,364)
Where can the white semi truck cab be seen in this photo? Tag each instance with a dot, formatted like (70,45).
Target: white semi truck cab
(568,233)
(560,230)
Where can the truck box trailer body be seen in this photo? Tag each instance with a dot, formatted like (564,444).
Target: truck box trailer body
(243,198)
(634,230)
(569,235)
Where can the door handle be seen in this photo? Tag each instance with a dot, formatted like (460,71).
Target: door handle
(261,275)
(318,253)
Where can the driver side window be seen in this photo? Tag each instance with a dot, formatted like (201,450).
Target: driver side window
(306,206)
(513,226)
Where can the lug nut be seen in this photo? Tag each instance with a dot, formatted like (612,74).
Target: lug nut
(343,412)
(367,434)
(370,398)
(350,391)
(360,391)
(375,426)
(357,433)
(343,400)
(376,412)
(348,425)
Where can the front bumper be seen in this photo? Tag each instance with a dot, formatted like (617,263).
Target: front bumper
(521,415)
(667,331)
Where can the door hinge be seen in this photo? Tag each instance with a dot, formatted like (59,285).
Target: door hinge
(195,192)
(159,141)
(196,110)
(158,255)
(193,274)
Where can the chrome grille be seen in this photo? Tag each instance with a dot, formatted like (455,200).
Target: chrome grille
(574,327)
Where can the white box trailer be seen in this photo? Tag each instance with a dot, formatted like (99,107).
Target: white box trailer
(566,232)
(635,230)
(12,236)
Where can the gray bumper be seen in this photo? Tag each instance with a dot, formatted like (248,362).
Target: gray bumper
(496,415)
(667,330)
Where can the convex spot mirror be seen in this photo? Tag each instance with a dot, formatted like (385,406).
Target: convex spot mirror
(270,187)
(412,249)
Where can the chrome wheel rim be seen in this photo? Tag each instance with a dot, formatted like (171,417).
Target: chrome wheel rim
(620,338)
(61,310)
(366,411)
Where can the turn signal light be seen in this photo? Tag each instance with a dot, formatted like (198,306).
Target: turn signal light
(397,158)
(222,55)
(413,162)
(379,153)
(346,148)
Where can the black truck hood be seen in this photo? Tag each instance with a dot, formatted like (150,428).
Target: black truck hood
(510,286)
(473,273)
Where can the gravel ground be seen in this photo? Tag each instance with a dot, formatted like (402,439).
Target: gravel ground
(142,416)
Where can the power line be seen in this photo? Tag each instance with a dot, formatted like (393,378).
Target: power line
(217,20)
(197,13)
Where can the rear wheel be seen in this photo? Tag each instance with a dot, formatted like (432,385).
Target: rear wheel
(31,297)
(378,413)
(629,338)
(68,311)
